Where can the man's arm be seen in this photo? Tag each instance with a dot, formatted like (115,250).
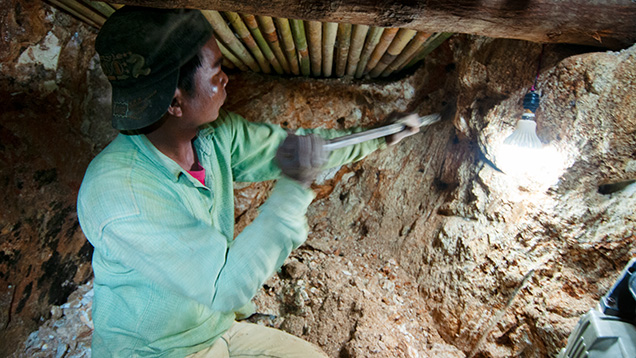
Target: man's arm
(349,154)
(254,146)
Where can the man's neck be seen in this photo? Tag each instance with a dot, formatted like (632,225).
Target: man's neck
(176,143)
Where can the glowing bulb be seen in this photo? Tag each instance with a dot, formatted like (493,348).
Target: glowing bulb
(544,164)
(525,135)
(523,154)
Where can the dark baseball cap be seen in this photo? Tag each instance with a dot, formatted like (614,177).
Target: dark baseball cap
(141,51)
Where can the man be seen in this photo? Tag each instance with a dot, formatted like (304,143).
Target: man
(157,203)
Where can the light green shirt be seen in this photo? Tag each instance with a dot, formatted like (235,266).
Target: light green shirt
(168,276)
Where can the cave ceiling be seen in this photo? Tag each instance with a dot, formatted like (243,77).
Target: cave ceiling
(376,39)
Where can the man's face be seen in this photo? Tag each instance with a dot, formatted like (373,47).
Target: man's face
(209,86)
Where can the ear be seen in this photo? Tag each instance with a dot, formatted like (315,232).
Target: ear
(176,106)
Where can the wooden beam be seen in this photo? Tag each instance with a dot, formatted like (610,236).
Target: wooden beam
(606,23)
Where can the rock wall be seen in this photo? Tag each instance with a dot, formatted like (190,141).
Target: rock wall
(504,260)
(49,88)
(432,248)
(555,223)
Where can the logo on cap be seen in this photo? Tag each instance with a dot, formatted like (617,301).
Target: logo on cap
(121,66)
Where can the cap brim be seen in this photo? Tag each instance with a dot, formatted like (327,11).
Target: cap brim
(139,107)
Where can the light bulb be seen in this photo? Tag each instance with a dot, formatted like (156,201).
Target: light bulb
(542,165)
(525,135)
(522,152)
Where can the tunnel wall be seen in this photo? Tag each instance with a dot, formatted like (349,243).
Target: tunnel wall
(52,94)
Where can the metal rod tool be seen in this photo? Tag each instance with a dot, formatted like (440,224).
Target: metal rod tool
(345,141)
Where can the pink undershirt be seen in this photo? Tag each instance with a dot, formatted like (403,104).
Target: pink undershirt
(198,174)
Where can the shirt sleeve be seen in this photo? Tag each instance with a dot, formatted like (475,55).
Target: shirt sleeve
(348,154)
(187,255)
(254,146)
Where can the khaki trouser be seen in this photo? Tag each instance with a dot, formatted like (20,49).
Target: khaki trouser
(252,340)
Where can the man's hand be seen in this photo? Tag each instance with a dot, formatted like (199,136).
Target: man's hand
(412,126)
(302,157)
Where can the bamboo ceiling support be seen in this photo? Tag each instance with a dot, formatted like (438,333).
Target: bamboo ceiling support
(227,63)
(329,32)
(225,35)
(342,51)
(357,43)
(73,12)
(314,29)
(387,37)
(298,31)
(431,44)
(252,25)
(375,33)
(397,45)
(101,7)
(291,46)
(245,36)
(81,11)
(407,54)
(288,44)
(227,54)
(268,29)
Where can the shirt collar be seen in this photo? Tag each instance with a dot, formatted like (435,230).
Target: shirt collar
(166,165)
(162,161)
(201,143)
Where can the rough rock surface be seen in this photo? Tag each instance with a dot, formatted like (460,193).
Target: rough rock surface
(505,262)
(433,248)
(47,78)
(67,333)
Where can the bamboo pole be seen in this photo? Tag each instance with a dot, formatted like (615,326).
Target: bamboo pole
(380,49)
(225,35)
(342,48)
(412,57)
(298,31)
(81,11)
(397,45)
(227,63)
(357,43)
(74,13)
(228,55)
(252,25)
(315,46)
(431,44)
(407,54)
(375,33)
(266,24)
(330,30)
(245,36)
(288,44)
(100,7)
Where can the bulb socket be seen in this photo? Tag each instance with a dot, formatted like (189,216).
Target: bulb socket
(528,116)
(531,101)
